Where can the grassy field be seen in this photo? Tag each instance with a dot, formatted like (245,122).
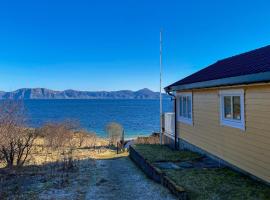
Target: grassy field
(54,180)
(201,184)
(51,175)
(220,183)
(49,181)
(160,153)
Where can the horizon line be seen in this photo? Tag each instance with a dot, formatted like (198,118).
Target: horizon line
(79,90)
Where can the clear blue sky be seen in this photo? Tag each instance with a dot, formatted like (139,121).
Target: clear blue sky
(113,45)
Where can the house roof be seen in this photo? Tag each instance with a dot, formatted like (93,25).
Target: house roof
(249,67)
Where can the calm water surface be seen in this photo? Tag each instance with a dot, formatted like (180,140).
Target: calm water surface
(138,117)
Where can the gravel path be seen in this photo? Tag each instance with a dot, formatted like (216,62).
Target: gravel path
(121,179)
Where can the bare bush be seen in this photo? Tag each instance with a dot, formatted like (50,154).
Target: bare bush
(60,140)
(153,139)
(16,141)
(91,140)
(81,137)
(115,133)
(59,135)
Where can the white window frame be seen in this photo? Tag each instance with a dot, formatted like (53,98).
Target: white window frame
(185,120)
(240,124)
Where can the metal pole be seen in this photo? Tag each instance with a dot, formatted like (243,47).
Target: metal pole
(160,83)
(175,125)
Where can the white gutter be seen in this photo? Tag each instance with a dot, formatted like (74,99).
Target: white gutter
(244,79)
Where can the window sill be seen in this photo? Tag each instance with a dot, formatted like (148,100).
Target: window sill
(233,124)
(185,121)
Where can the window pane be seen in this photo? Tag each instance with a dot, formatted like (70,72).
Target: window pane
(180,106)
(236,108)
(189,107)
(227,107)
(184,106)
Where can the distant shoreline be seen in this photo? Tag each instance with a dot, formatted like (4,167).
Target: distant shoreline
(82,99)
(47,94)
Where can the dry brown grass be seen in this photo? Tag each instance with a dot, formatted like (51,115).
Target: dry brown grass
(89,149)
(42,154)
(54,173)
(153,139)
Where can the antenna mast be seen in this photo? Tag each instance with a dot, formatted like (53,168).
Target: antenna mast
(160,84)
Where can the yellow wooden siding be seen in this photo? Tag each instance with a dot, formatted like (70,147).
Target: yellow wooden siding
(249,149)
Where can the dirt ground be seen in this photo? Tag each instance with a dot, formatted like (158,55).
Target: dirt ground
(101,178)
(121,179)
(96,173)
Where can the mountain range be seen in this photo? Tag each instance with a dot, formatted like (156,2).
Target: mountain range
(43,93)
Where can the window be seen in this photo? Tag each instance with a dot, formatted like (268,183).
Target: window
(232,108)
(184,107)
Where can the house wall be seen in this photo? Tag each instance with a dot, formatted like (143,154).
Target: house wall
(247,149)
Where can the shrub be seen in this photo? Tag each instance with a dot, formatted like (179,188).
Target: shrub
(16,141)
(115,133)
(153,139)
(84,138)
(58,135)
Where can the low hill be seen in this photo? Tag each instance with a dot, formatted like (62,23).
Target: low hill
(43,93)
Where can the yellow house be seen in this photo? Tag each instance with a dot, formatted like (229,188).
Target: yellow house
(223,111)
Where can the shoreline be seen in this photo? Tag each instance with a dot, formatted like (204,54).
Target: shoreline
(130,138)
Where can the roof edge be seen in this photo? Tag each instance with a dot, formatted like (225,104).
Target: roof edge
(236,80)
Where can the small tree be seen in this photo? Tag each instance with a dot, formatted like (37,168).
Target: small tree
(85,138)
(16,141)
(81,137)
(92,139)
(115,133)
(59,138)
(58,135)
